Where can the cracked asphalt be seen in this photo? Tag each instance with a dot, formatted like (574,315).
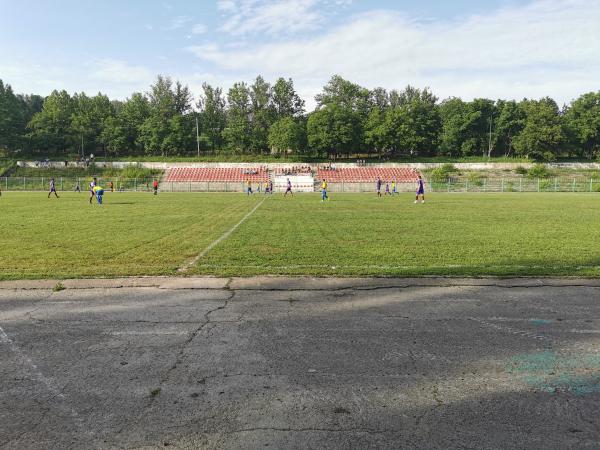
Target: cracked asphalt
(300,363)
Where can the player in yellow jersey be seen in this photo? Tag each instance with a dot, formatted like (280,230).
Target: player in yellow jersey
(98,192)
(324,191)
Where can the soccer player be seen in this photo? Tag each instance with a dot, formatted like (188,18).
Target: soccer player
(52,188)
(289,188)
(248,186)
(324,195)
(394,187)
(93,184)
(378,186)
(155,186)
(111,186)
(98,192)
(387,188)
(420,190)
(271,187)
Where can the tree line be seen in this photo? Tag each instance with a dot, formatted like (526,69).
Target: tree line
(263,118)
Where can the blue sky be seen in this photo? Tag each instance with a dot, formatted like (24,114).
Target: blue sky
(467,48)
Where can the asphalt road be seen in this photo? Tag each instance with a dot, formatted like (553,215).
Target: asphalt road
(306,364)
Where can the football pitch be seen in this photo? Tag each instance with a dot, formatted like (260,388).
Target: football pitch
(136,234)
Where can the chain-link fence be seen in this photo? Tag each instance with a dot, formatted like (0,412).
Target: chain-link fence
(71,184)
(524,184)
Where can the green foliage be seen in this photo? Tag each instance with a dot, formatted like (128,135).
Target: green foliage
(287,135)
(442,173)
(545,185)
(349,120)
(475,179)
(583,124)
(137,171)
(543,132)
(521,170)
(539,171)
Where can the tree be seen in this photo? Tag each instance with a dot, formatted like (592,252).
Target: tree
(262,115)
(51,130)
(12,119)
(167,129)
(131,117)
(237,130)
(459,119)
(285,100)
(582,121)
(212,115)
(334,130)
(87,121)
(543,132)
(287,135)
(338,125)
(114,136)
(508,124)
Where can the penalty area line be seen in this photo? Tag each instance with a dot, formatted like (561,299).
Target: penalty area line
(187,266)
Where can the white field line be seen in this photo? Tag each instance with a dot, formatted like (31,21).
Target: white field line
(390,266)
(39,376)
(213,244)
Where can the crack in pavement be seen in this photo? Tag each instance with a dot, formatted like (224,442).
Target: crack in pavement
(180,356)
(309,430)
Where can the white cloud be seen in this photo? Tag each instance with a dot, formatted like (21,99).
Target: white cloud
(272,17)
(199,28)
(547,47)
(120,72)
(177,23)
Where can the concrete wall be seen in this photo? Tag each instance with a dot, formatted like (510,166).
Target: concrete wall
(274,166)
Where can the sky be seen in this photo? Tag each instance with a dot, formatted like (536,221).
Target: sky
(466,48)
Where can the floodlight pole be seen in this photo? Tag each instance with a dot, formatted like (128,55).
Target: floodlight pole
(490,140)
(197,137)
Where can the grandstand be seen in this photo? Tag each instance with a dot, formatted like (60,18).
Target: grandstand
(368,174)
(217,174)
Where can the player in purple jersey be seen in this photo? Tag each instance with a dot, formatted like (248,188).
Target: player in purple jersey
(93,184)
(289,188)
(420,190)
(52,188)
(378,187)
(387,188)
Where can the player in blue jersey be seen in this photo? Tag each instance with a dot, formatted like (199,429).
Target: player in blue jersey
(420,190)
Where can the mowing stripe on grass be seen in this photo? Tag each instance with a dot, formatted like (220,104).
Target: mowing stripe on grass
(204,252)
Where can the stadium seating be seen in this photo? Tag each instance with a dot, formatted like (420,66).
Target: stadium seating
(368,174)
(233,175)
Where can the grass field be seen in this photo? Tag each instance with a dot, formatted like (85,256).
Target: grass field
(354,234)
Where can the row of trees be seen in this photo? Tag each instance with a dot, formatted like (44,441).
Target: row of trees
(261,118)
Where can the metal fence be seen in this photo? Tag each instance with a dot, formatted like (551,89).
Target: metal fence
(523,184)
(70,184)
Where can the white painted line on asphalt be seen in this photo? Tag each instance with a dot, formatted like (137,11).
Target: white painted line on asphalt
(146,333)
(25,361)
(212,245)
(4,339)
